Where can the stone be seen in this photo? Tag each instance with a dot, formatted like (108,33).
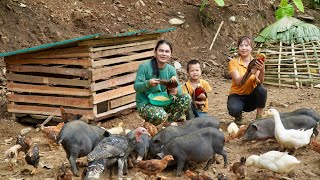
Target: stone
(176,21)
(232,18)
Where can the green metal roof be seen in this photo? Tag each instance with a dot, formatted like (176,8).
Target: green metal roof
(83,38)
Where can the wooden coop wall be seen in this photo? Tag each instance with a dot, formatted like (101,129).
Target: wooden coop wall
(94,79)
(292,65)
(114,71)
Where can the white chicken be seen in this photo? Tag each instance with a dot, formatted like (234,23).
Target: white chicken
(278,162)
(11,155)
(116,130)
(289,138)
(232,128)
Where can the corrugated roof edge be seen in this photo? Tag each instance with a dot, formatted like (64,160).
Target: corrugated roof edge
(93,36)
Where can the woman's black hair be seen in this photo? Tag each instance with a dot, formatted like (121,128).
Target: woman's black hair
(154,65)
(245,38)
(193,61)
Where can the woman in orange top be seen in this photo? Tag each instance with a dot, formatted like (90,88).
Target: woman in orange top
(252,95)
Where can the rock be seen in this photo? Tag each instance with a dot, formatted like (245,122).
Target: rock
(7,141)
(119,19)
(176,21)
(317,86)
(213,57)
(232,18)
(22,5)
(25,131)
(160,2)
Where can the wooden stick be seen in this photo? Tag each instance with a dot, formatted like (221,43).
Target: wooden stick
(214,39)
(44,123)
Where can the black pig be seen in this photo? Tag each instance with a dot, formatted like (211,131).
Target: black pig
(170,132)
(79,139)
(199,146)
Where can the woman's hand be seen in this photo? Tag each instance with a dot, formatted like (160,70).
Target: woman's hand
(153,82)
(259,65)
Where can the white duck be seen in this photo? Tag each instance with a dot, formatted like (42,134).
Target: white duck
(278,162)
(289,138)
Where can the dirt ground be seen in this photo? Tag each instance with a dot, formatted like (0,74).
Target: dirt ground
(279,97)
(27,23)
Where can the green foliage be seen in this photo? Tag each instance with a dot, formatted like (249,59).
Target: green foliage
(289,30)
(206,2)
(286,9)
(220,2)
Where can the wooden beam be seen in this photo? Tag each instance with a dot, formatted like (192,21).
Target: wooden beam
(114,82)
(85,62)
(103,62)
(53,70)
(54,111)
(122,45)
(125,50)
(121,91)
(112,112)
(62,101)
(122,101)
(104,73)
(73,52)
(119,40)
(18,87)
(47,80)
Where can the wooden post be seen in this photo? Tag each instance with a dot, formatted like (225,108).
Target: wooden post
(279,63)
(294,64)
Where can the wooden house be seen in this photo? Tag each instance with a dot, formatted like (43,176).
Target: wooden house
(91,75)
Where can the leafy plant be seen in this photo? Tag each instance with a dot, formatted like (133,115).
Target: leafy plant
(287,9)
(206,2)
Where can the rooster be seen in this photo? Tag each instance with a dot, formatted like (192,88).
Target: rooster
(259,57)
(24,142)
(33,158)
(154,166)
(64,174)
(239,168)
(199,97)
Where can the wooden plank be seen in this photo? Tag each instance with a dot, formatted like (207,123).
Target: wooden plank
(85,62)
(106,72)
(115,93)
(103,62)
(27,109)
(18,87)
(73,52)
(112,112)
(294,64)
(114,82)
(122,45)
(53,70)
(47,80)
(62,101)
(119,40)
(125,50)
(122,101)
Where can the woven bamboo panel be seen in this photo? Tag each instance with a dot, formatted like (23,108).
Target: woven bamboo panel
(292,65)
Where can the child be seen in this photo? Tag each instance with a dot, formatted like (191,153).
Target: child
(197,88)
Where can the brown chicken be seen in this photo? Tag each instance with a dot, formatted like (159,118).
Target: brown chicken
(261,57)
(199,97)
(172,83)
(154,166)
(64,174)
(315,145)
(239,168)
(52,132)
(66,117)
(194,176)
(152,129)
(33,158)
